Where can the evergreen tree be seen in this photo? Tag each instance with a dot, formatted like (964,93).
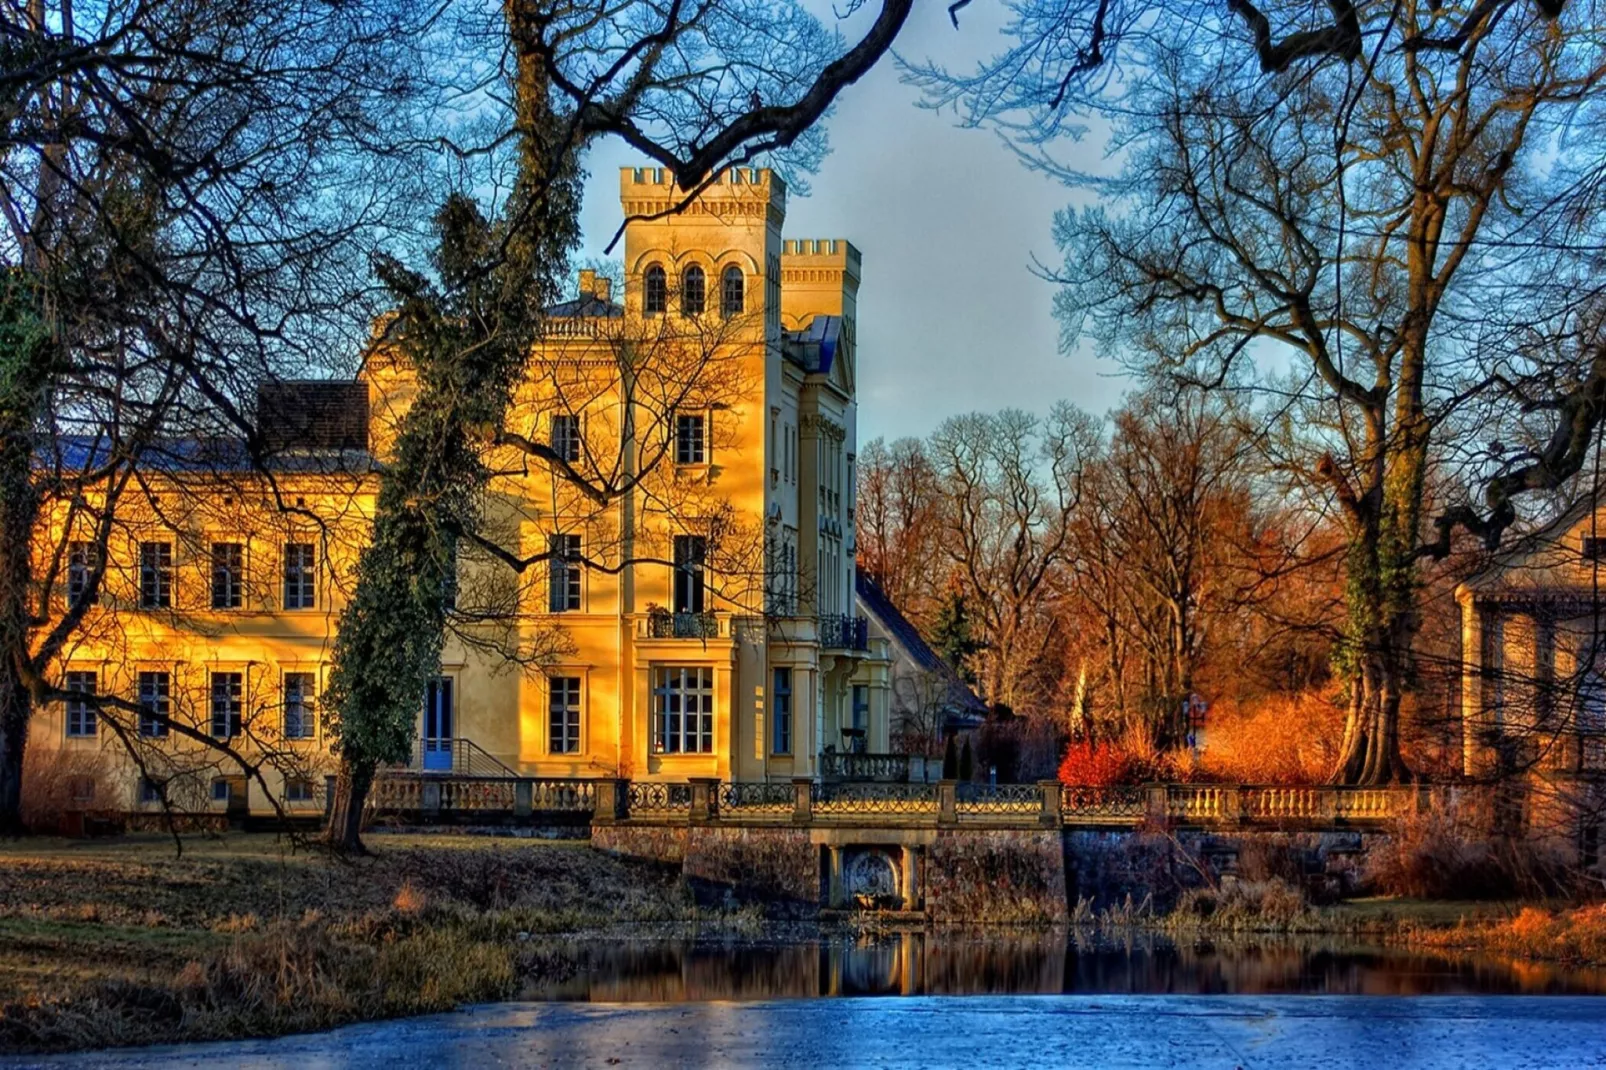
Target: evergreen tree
(952,636)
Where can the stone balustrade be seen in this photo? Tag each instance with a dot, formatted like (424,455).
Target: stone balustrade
(883,803)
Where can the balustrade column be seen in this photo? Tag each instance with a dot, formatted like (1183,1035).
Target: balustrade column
(704,799)
(610,801)
(523,799)
(1053,815)
(802,801)
(947,802)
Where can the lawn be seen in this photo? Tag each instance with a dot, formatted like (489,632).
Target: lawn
(126,941)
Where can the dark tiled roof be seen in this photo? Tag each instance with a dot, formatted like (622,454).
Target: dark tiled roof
(586,306)
(221,454)
(320,414)
(906,635)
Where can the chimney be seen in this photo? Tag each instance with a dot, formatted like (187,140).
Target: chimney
(592,286)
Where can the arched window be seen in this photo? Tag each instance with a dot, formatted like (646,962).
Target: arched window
(731,295)
(656,297)
(693,292)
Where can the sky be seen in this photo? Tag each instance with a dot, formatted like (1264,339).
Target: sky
(951,318)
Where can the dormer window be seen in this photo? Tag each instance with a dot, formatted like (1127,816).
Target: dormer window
(655,297)
(1594,548)
(693,292)
(732,291)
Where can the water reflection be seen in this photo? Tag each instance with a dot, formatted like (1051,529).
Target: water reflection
(1006,963)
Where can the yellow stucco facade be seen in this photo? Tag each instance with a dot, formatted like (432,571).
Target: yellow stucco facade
(666,587)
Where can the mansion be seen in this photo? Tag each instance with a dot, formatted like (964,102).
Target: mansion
(662,586)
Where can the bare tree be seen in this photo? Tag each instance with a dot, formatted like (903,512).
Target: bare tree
(189,193)
(1013,483)
(1384,201)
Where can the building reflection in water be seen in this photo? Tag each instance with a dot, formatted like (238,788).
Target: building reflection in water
(1002,962)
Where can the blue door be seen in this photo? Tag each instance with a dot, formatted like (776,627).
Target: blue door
(438,725)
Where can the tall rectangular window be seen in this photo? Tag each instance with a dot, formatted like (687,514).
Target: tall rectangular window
(691,446)
(300,692)
(228,694)
(563,573)
(155,703)
(80,704)
(155,575)
(563,717)
(781,711)
(565,440)
(83,558)
(691,557)
(683,709)
(228,575)
(300,575)
(861,707)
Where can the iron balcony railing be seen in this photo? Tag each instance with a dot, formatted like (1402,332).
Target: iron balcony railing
(666,625)
(839,632)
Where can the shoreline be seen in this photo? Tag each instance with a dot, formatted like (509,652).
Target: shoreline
(121,943)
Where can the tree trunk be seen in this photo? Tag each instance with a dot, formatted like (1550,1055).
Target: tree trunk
(14,710)
(345,817)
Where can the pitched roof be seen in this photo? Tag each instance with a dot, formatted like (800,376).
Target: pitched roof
(586,306)
(814,348)
(899,629)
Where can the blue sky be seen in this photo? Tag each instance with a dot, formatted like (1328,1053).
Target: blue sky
(951,318)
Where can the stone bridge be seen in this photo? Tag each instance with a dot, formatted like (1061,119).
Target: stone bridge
(947,851)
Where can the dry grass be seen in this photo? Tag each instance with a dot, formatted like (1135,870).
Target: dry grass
(1242,906)
(122,943)
(1575,937)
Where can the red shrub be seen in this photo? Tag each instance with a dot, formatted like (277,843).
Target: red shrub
(1097,765)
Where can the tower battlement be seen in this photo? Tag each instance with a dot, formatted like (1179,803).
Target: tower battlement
(813,259)
(734,191)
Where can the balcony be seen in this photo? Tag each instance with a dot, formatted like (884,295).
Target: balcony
(662,624)
(844,633)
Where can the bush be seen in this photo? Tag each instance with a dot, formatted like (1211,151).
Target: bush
(1096,765)
(1134,758)
(1452,852)
(1244,906)
(57,782)
(1277,739)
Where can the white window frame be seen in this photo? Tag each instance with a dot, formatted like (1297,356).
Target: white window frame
(81,719)
(691,449)
(565,590)
(155,574)
(564,436)
(307,720)
(676,690)
(233,720)
(161,698)
(565,714)
(300,575)
(83,557)
(234,572)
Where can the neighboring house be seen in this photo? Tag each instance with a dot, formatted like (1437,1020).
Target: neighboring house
(928,699)
(714,636)
(1533,641)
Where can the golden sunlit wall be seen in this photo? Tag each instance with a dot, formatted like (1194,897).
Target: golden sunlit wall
(652,610)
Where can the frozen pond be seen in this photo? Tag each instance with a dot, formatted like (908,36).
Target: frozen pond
(975,999)
(1206,1032)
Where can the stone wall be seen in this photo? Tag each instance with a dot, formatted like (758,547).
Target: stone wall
(1107,867)
(1002,876)
(771,864)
